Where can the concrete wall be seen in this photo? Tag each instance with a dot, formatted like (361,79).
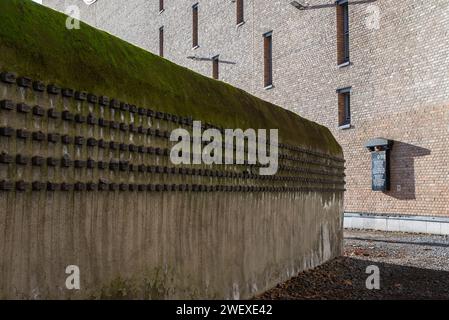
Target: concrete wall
(145,228)
(398,73)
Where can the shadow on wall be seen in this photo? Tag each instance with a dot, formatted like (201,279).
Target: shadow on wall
(402,164)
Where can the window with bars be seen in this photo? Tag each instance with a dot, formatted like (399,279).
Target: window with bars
(240,12)
(215,67)
(195,26)
(268,59)
(344,106)
(161,41)
(342,31)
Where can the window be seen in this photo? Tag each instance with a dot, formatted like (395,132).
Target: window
(268,59)
(161,5)
(240,17)
(215,67)
(342,32)
(161,41)
(195,26)
(344,107)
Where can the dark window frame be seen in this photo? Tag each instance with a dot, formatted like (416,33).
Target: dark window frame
(344,106)
(240,11)
(161,41)
(161,5)
(268,59)
(195,23)
(343,49)
(216,67)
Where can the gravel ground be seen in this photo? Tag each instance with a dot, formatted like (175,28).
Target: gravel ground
(412,266)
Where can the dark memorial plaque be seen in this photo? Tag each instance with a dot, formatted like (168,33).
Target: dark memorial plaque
(380,174)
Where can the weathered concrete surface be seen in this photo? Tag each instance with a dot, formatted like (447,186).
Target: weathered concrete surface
(162,245)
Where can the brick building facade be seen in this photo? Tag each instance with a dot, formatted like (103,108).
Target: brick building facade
(396,75)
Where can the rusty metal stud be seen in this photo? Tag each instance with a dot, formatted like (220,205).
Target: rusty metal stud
(79,141)
(123,147)
(132,128)
(113,186)
(7,131)
(91,186)
(52,113)
(113,125)
(66,162)
(91,142)
(90,163)
(66,186)
(22,160)
(124,106)
(38,111)
(132,108)
(142,130)
(5,158)
(66,139)
(142,149)
(80,95)
(103,185)
(38,86)
(8,77)
(52,162)
(159,115)
(124,126)
(92,98)
(22,134)
(6,185)
(113,165)
(37,161)
(103,122)
(38,136)
(51,186)
(67,92)
(22,186)
(102,165)
(113,145)
(102,144)
(91,120)
(124,165)
(67,116)
(80,163)
(79,118)
(133,148)
(114,104)
(80,186)
(123,187)
(103,100)
(6,105)
(53,89)
(23,108)
(38,186)
(142,111)
(151,169)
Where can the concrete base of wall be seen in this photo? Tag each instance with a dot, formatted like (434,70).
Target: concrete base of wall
(412,224)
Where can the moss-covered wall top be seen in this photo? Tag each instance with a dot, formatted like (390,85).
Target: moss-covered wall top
(34,42)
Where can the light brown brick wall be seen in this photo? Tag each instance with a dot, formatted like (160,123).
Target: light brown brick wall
(399,74)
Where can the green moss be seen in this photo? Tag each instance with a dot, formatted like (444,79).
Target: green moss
(35,42)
